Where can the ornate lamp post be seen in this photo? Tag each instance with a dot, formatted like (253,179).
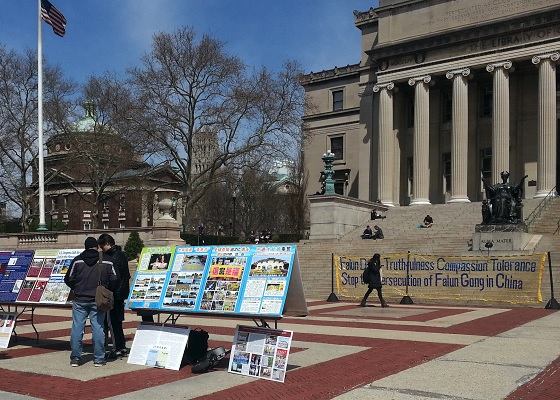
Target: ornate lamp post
(328,159)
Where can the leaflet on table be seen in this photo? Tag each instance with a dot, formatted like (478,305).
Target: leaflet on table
(184,288)
(260,352)
(265,289)
(151,275)
(56,291)
(13,269)
(38,275)
(224,277)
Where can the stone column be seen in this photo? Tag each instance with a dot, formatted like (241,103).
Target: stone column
(500,118)
(546,158)
(421,151)
(459,135)
(386,142)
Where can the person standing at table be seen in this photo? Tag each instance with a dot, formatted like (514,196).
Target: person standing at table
(120,292)
(375,280)
(83,277)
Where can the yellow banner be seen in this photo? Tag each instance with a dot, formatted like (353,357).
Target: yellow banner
(509,279)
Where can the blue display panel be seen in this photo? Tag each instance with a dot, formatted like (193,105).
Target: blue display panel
(13,269)
(250,280)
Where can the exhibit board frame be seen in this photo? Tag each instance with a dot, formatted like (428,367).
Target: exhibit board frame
(258,281)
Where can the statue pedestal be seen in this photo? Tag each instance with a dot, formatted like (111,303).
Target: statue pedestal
(502,237)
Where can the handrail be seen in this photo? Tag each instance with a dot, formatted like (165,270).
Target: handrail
(536,213)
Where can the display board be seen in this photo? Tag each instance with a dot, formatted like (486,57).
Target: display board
(7,324)
(260,352)
(251,280)
(160,346)
(13,269)
(44,282)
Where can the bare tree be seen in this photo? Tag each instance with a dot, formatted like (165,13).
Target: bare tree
(19,149)
(189,88)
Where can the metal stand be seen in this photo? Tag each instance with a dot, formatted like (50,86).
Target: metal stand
(406,298)
(552,303)
(332,297)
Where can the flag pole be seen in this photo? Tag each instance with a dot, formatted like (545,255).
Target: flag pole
(42,224)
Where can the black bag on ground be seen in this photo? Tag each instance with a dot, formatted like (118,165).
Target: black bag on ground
(197,346)
(210,360)
(366,275)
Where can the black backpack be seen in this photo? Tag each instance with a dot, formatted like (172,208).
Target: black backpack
(197,346)
(366,275)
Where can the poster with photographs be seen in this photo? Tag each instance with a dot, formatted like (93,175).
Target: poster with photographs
(38,275)
(56,291)
(151,277)
(269,274)
(13,270)
(224,278)
(7,324)
(184,287)
(260,352)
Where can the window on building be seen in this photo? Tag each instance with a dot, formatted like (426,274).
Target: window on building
(446,158)
(447,105)
(337,147)
(410,174)
(87,225)
(409,113)
(54,203)
(105,225)
(122,201)
(486,100)
(338,100)
(105,204)
(65,202)
(122,224)
(486,164)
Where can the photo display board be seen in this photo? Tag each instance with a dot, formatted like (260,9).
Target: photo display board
(243,279)
(260,352)
(13,269)
(7,324)
(44,282)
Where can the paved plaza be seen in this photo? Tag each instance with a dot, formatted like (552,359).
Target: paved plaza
(339,351)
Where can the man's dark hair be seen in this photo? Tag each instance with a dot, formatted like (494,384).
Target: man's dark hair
(105,238)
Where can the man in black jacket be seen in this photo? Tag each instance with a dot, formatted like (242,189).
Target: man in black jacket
(83,277)
(120,293)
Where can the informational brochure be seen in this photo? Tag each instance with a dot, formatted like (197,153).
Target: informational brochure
(56,291)
(260,352)
(159,346)
(7,324)
(13,269)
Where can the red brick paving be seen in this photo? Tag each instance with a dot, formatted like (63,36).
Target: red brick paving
(320,381)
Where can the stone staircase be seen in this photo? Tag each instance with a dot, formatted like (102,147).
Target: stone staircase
(451,234)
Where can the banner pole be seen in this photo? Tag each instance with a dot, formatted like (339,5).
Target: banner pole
(406,298)
(332,297)
(552,303)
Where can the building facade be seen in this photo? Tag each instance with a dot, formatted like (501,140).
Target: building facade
(94,179)
(445,92)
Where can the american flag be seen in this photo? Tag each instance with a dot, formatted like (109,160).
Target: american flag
(53,17)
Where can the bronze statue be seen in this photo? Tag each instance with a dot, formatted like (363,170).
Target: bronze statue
(504,202)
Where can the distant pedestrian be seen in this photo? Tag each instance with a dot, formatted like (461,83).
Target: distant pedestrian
(375,280)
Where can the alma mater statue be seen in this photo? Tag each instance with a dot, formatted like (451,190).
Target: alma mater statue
(503,204)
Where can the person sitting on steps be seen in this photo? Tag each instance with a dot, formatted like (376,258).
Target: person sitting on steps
(377,233)
(368,234)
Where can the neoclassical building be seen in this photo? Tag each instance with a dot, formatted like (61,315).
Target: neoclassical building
(445,92)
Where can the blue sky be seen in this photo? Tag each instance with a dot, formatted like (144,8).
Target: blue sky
(111,35)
